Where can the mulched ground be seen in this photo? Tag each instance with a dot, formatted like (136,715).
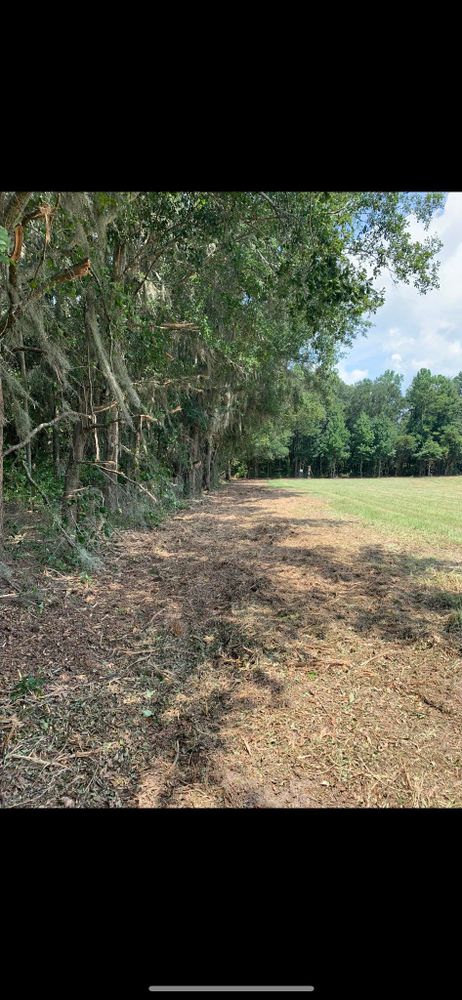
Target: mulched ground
(257,650)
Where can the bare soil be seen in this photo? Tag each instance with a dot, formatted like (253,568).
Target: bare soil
(256,651)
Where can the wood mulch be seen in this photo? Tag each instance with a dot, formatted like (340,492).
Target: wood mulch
(257,650)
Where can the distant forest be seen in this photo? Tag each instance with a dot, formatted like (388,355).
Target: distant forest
(371,428)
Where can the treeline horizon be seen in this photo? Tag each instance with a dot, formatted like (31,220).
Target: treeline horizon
(370,428)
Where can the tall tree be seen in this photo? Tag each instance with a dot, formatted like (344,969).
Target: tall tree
(140,330)
(362,439)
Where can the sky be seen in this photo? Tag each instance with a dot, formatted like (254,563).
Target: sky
(412,331)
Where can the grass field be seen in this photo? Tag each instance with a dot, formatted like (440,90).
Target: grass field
(428,508)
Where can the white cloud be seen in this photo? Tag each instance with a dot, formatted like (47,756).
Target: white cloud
(413,331)
(354,376)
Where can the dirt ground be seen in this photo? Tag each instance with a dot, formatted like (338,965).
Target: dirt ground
(257,650)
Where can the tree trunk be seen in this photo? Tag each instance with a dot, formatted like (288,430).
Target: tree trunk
(72,478)
(22,362)
(137,449)
(13,295)
(119,261)
(2,420)
(214,472)
(380,467)
(15,208)
(56,462)
(228,472)
(207,465)
(361,468)
(111,490)
(193,474)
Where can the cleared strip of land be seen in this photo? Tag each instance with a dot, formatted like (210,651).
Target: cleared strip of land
(258,650)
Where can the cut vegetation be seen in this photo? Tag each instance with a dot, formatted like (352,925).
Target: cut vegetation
(259,650)
(167,640)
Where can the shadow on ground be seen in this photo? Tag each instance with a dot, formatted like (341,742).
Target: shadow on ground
(224,660)
(286,589)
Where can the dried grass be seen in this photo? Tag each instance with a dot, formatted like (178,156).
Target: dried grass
(256,651)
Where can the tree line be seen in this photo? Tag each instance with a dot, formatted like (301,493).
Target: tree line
(147,339)
(370,428)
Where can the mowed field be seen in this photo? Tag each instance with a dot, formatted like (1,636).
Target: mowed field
(424,508)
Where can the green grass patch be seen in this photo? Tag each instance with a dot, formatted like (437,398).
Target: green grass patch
(428,507)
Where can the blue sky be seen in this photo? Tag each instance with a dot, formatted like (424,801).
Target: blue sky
(413,331)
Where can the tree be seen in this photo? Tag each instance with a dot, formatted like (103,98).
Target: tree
(143,328)
(406,446)
(385,433)
(335,440)
(362,439)
(430,452)
(451,446)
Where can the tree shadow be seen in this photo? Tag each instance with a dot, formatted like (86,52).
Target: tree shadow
(374,592)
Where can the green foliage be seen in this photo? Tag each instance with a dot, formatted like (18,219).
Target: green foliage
(205,332)
(335,438)
(423,508)
(363,438)
(4,245)
(371,428)
(18,488)
(451,445)
(430,452)
(27,685)
(385,435)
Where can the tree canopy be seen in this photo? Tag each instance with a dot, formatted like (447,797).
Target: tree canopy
(371,427)
(156,337)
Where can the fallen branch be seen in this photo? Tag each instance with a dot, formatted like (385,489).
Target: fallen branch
(38,760)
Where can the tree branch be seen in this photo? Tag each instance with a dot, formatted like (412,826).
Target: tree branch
(273,205)
(117,472)
(56,519)
(15,208)
(62,416)
(79,270)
